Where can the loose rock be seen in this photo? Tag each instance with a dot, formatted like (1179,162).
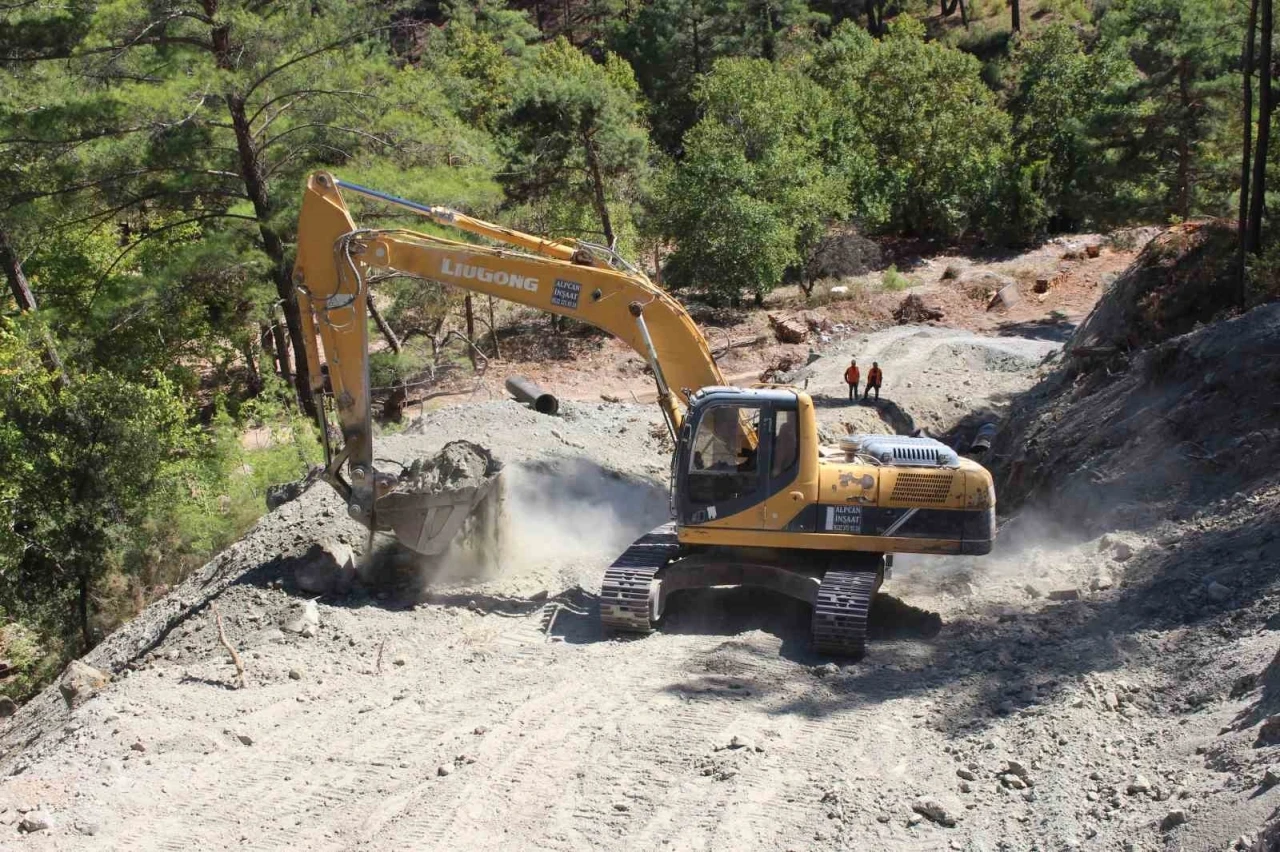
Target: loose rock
(7,707)
(295,674)
(79,683)
(1013,781)
(966,774)
(935,811)
(1139,784)
(305,622)
(1218,593)
(444,769)
(1173,819)
(35,821)
(327,568)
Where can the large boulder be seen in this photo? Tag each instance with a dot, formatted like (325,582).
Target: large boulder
(327,568)
(80,682)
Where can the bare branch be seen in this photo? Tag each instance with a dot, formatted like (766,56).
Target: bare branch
(302,57)
(353,131)
(222,637)
(284,95)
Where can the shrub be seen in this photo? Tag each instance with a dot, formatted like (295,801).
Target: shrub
(894,280)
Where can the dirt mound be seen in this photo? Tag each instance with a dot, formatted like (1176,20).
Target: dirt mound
(914,310)
(1164,430)
(1181,279)
(458,464)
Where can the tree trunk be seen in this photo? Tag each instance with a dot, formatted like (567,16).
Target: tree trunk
(493,332)
(267,340)
(281,347)
(82,610)
(964,14)
(471,329)
(1246,113)
(697,48)
(768,49)
(250,353)
(387,331)
(1184,140)
(17,278)
(256,189)
(1259,187)
(597,187)
(21,289)
(1015,12)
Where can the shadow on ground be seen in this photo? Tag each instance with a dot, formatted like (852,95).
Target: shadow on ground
(1057,330)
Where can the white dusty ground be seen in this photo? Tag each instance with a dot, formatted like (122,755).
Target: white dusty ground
(493,715)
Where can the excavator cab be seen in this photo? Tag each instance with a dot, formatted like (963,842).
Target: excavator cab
(737,448)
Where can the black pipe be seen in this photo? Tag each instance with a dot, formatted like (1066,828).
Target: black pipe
(525,390)
(982,440)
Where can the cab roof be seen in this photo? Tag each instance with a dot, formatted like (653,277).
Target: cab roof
(753,396)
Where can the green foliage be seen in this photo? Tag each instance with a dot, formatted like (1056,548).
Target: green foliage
(673,44)
(86,459)
(917,135)
(576,139)
(1174,151)
(752,193)
(894,280)
(1059,101)
(222,490)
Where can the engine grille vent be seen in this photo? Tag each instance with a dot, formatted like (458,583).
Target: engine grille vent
(897,449)
(930,488)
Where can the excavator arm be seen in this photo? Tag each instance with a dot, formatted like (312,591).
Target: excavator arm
(337,260)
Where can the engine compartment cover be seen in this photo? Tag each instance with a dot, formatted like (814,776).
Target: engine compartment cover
(901,450)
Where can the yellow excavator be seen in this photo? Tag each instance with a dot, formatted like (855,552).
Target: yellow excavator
(756,500)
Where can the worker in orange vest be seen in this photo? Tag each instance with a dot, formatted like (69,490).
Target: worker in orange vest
(851,378)
(874,378)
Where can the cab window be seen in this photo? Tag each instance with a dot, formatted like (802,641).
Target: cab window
(722,465)
(786,445)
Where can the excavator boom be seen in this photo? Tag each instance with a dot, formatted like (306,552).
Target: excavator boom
(336,260)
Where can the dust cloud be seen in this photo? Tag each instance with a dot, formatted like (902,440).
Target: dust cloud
(549,523)
(572,510)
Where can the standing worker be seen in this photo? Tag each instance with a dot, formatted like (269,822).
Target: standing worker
(851,378)
(874,378)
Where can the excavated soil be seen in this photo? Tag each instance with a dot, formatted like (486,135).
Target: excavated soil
(458,464)
(1088,689)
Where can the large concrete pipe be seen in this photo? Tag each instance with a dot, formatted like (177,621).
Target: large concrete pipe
(525,390)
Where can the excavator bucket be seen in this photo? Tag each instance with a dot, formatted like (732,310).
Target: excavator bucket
(430,523)
(451,499)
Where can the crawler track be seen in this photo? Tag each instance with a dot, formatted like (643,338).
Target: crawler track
(840,613)
(625,593)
